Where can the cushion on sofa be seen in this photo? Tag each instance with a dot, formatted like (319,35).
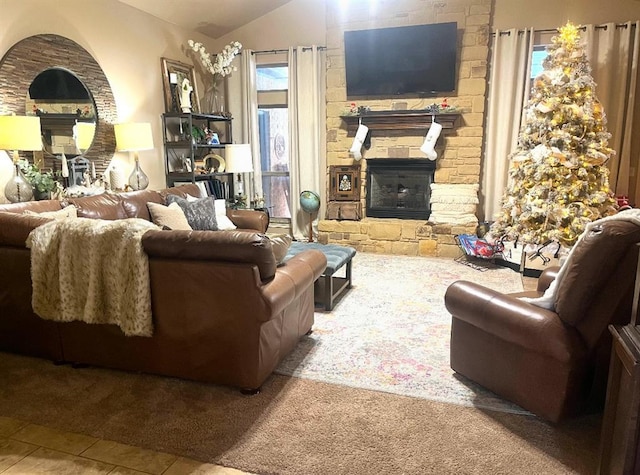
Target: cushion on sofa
(135,203)
(15,228)
(183,190)
(224,223)
(68,212)
(201,214)
(171,217)
(105,206)
(280,244)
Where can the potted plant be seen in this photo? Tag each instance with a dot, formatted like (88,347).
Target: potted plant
(43,182)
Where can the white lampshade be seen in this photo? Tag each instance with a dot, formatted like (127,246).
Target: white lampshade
(83,133)
(238,158)
(133,136)
(20,133)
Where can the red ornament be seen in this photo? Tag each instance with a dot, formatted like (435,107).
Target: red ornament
(444,104)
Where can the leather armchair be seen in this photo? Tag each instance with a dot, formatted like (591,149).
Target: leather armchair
(553,363)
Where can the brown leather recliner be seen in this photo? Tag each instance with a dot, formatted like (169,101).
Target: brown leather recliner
(553,363)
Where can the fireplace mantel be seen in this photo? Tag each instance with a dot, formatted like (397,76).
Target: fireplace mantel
(408,120)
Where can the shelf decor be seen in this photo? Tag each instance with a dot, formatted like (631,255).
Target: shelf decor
(173,75)
(219,66)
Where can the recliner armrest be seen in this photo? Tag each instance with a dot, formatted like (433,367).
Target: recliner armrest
(547,276)
(514,320)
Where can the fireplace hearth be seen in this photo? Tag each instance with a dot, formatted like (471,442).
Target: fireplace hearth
(399,188)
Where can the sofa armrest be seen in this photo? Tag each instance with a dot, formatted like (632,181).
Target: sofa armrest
(513,320)
(15,228)
(293,278)
(547,276)
(249,219)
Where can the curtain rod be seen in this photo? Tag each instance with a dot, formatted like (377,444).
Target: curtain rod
(555,30)
(279,51)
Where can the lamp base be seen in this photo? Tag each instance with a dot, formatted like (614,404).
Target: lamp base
(18,189)
(138,179)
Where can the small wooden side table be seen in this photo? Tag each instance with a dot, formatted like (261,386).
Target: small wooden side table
(619,439)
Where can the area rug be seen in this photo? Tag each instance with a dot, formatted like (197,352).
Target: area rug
(391,331)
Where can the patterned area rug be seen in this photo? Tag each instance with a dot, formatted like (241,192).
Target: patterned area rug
(391,331)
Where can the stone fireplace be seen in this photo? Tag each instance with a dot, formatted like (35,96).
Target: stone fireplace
(399,135)
(398,188)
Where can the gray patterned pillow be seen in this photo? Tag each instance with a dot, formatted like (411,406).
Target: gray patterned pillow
(201,214)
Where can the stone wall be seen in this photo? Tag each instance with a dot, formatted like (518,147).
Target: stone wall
(459,150)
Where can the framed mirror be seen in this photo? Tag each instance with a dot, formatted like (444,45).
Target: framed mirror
(66,110)
(32,56)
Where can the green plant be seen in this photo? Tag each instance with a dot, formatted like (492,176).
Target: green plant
(42,181)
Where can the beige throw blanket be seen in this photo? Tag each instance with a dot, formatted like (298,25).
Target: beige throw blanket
(94,271)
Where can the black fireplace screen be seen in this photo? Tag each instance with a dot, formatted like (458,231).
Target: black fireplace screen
(399,188)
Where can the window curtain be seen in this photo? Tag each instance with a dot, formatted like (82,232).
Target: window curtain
(509,86)
(613,55)
(242,86)
(307,162)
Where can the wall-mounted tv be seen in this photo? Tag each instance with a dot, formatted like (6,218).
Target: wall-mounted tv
(413,60)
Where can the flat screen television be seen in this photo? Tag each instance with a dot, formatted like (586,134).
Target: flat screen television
(412,60)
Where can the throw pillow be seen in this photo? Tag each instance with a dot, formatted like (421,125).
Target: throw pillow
(224,223)
(170,216)
(201,214)
(68,212)
(280,245)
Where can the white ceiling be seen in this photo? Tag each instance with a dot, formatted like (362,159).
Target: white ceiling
(213,18)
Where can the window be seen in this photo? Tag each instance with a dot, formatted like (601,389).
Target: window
(273,125)
(537,58)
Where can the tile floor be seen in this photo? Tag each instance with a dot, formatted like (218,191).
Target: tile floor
(28,449)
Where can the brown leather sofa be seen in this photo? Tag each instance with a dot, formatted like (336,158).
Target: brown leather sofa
(553,363)
(223,312)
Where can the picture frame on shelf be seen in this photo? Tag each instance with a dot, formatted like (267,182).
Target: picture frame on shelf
(344,183)
(173,73)
(214,139)
(187,164)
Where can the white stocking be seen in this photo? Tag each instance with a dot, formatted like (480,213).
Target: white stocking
(428,147)
(361,135)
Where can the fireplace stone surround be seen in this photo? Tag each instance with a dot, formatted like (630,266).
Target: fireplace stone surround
(402,226)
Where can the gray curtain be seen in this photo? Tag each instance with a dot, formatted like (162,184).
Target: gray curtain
(508,91)
(307,125)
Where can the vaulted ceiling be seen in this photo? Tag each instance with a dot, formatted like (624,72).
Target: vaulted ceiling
(213,18)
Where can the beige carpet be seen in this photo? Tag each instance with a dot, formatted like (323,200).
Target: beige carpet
(294,426)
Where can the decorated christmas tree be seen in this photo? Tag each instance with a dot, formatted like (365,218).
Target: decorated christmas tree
(558,180)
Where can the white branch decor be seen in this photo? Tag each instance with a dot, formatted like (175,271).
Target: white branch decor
(221,63)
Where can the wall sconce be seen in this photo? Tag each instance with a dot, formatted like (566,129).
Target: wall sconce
(239,160)
(133,137)
(19,133)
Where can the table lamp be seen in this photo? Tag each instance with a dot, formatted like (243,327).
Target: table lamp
(133,137)
(239,160)
(19,133)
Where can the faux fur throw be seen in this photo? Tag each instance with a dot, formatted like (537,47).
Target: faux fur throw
(94,271)
(548,299)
